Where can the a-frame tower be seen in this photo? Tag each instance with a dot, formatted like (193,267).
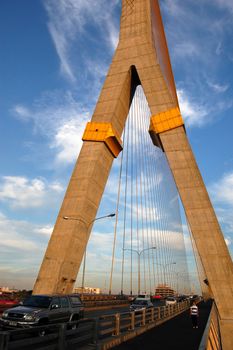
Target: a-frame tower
(141,58)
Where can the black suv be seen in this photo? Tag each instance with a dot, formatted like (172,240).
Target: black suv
(38,310)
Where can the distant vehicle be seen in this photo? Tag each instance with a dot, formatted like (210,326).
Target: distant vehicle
(143,297)
(38,310)
(156,297)
(171,301)
(140,304)
(131,298)
(8,302)
(181,298)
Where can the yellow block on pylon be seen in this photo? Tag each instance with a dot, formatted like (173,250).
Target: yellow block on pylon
(103,132)
(165,121)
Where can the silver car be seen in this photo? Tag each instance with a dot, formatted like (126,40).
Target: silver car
(140,304)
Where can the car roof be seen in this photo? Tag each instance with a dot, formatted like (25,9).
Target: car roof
(54,295)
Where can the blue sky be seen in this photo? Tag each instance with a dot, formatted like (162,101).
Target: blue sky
(54,57)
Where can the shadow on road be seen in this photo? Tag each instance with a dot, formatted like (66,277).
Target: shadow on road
(176,333)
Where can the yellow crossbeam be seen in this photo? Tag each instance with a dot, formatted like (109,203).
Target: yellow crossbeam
(165,121)
(103,132)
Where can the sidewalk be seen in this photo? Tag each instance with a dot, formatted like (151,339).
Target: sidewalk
(176,333)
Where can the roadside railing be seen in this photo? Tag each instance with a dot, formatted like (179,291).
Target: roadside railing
(51,337)
(211,339)
(101,333)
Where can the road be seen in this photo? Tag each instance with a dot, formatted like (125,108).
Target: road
(97,313)
(176,333)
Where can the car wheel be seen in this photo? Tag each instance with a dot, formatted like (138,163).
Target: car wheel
(75,324)
(42,333)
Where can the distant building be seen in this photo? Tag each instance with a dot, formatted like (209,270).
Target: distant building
(87,290)
(5,290)
(164,290)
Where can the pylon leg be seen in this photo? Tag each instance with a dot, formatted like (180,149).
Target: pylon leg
(69,238)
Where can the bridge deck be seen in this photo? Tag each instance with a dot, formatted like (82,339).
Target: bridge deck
(176,333)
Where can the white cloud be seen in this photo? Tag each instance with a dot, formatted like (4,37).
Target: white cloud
(25,244)
(21,192)
(228,241)
(186,49)
(222,191)
(222,195)
(217,87)
(197,114)
(193,114)
(61,47)
(226,4)
(68,141)
(62,120)
(18,236)
(46,230)
(22,112)
(67,23)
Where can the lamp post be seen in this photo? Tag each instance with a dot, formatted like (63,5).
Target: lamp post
(87,226)
(139,256)
(164,267)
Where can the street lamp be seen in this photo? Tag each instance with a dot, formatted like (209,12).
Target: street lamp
(164,266)
(87,227)
(139,256)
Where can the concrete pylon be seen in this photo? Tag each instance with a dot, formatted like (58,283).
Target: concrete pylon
(141,58)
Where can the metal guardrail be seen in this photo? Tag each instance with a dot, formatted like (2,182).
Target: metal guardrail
(56,337)
(102,333)
(211,339)
(114,329)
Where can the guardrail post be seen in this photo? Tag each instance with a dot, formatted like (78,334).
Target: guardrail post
(143,317)
(117,324)
(62,337)
(158,313)
(152,314)
(95,331)
(132,321)
(4,340)
(165,311)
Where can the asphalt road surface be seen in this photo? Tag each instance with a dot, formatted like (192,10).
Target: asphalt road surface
(113,310)
(176,333)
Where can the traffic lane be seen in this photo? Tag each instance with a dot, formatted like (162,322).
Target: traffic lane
(115,310)
(98,313)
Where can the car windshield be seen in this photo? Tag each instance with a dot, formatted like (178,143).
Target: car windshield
(140,302)
(37,301)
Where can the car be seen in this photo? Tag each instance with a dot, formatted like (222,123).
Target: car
(194,297)
(143,296)
(170,301)
(37,310)
(181,298)
(140,304)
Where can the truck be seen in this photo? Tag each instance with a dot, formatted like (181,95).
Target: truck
(39,310)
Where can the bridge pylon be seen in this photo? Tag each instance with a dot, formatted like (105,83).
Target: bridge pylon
(141,57)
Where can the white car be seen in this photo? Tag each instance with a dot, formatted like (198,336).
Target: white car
(143,297)
(140,304)
(170,301)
